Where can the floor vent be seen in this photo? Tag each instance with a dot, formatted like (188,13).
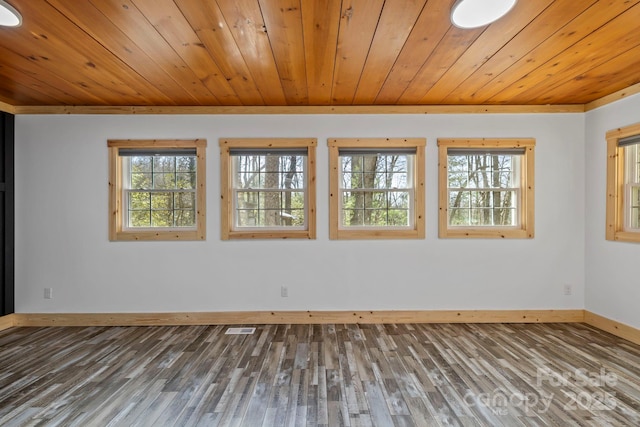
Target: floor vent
(240,331)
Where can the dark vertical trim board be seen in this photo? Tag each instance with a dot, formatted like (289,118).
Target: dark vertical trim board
(7,213)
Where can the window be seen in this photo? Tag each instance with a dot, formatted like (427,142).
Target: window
(157,189)
(623,184)
(376,188)
(486,188)
(268,188)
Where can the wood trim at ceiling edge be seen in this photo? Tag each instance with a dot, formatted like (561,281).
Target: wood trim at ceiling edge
(7,108)
(293,110)
(345,109)
(616,96)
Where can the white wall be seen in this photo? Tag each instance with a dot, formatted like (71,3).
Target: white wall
(61,226)
(613,279)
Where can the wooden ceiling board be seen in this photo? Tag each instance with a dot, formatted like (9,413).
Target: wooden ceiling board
(394,26)
(291,53)
(250,34)
(544,25)
(453,45)
(49,84)
(100,28)
(284,29)
(26,91)
(610,76)
(494,37)
(165,16)
(358,21)
(320,25)
(124,15)
(429,30)
(37,51)
(566,36)
(100,70)
(213,30)
(602,45)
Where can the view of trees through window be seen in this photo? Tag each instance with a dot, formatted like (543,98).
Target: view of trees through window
(269,189)
(632,153)
(161,191)
(376,189)
(483,189)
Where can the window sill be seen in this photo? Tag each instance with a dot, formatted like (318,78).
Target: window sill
(269,234)
(627,236)
(485,233)
(376,234)
(159,236)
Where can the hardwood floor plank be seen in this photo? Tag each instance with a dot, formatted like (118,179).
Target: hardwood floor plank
(319,375)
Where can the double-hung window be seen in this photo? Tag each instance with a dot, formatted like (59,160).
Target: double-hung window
(486,188)
(157,189)
(376,188)
(623,184)
(268,188)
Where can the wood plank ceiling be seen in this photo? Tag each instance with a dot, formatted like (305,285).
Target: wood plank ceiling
(314,52)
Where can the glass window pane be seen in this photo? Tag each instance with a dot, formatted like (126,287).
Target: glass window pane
(457,164)
(373,175)
(186,180)
(398,200)
(184,200)
(185,217)
(186,164)
(140,164)
(352,217)
(164,163)
(635,217)
(139,201)
(169,208)
(398,217)
(484,188)
(139,218)
(458,179)
(164,181)
(161,201)
(162,218)
(141,180)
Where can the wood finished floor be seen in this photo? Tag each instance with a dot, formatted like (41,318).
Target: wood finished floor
(334,375)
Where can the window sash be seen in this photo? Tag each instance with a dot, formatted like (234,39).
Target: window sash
(631,198)
(260,191)
(126,154)
(408,188)
(515,179)
(128,210)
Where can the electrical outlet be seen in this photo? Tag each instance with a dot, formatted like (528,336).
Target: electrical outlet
(284,291)
(568,289)
(48,293)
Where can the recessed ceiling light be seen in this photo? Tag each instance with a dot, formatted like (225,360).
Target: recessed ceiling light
(478,13)
(9,16)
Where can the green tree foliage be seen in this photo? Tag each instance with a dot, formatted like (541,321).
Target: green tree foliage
(482,190)
(375,190)
(155,196)
(270,190)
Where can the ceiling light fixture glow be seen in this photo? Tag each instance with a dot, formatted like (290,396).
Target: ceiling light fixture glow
(9,16)
(478,13)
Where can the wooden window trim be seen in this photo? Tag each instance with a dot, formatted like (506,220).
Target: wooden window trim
(116,230)
(418,231)
(526,228)
(615,186)
(226,202)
